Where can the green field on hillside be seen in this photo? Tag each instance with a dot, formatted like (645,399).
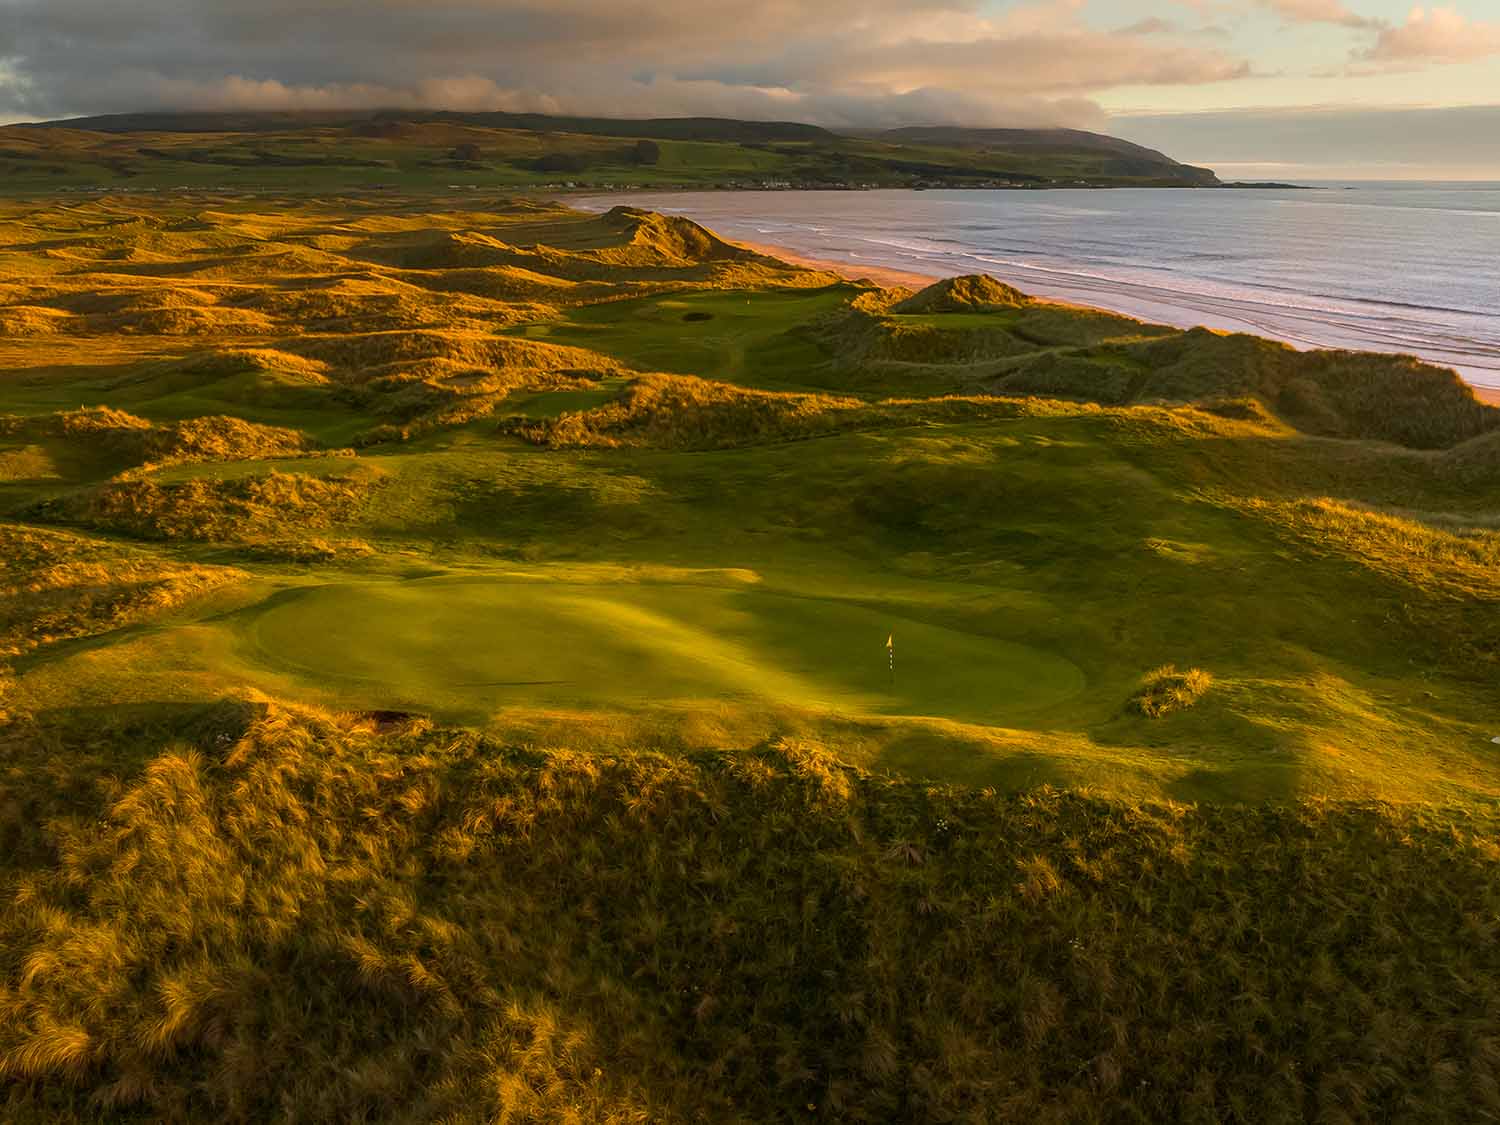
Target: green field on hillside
(444,671)
(403,152)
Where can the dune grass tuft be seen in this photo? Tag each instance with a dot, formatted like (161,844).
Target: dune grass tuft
(1165,690)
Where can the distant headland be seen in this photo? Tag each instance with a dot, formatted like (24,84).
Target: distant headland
(402,150)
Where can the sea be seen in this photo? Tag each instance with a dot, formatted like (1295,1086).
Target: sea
(1393,267)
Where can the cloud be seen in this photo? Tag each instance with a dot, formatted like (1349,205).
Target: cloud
(1460,142)
(839,62)
(1154,25)
(1439,35)
(1320,11)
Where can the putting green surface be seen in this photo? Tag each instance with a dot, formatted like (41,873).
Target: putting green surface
(468,644)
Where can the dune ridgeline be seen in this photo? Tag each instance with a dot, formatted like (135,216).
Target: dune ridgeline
(444,675)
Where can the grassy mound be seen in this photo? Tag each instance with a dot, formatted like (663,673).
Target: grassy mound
(416,382)
(222,438)
(964,334)
(278,913)
(198,368)
(1421,556)
(654,239)
(1475,462)
(972,293)
(683,413)
(364,357)
(128,299)
(1026,348)
(144,446)
(239,509)
(893,344)
(27,320)
(458,250)
(188,321)
(1341,394)
(375,304)
(57,586)
(1166,690)
(680,412)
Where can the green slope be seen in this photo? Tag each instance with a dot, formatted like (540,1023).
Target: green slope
(391,150)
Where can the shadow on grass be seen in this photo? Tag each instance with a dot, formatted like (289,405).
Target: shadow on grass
(69,756)
(1238,783)
(934,756)
(1229,758)
(146,727)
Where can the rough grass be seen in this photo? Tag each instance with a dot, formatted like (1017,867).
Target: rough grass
(148,447)
(1022,347)
(681,412)
(56,586)
(307,920)
(1342,394)
(685,413)
(974,293)
(240,509)
(1165,690)
(1424,558)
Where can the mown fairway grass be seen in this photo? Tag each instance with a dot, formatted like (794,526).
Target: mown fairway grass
(443,675)
(470,644)
(744,338)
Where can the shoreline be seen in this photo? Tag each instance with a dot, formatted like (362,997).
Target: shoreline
(881,237)
(886,276)
(890,277)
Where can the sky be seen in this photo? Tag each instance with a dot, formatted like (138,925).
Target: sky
(1289,89)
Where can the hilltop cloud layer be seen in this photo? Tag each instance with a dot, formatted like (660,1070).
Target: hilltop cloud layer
(838,62)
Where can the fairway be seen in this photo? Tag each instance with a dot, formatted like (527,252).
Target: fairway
(475,644)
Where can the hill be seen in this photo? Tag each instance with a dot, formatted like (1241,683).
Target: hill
(465,658)
(391,149)
(673,128)
(1127,159)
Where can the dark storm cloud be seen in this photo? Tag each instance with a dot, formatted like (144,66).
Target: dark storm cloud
(834,61)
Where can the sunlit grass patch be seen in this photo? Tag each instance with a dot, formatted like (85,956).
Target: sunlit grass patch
(1165,690)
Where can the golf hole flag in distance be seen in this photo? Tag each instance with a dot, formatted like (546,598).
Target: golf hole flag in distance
(890,650)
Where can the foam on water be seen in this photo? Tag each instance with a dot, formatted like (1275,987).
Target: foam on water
(1381,267)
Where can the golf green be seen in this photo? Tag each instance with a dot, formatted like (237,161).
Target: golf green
(486,643)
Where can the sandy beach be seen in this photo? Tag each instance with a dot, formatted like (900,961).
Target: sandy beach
(852,271)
